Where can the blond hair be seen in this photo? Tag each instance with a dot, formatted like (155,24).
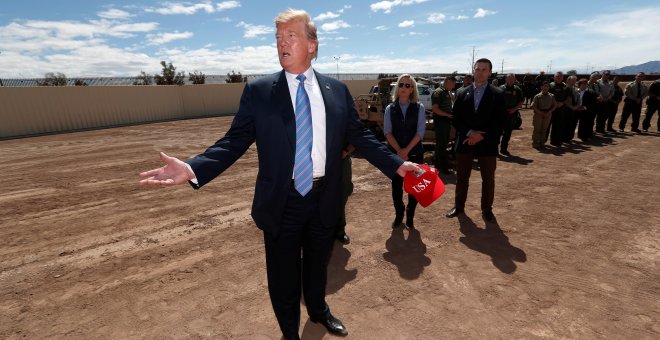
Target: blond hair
(414,95)
(300,15)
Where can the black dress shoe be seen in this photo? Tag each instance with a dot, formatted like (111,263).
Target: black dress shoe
(505,153)
(454,212)
(343,239)
(333,325)
(409,223)
(488,216)
(295,337)
(397,221)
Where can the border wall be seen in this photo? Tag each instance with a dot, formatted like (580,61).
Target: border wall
(32,111)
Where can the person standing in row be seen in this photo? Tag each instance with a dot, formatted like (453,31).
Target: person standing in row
(652,104)
(479,111)
(300,121)
(632,105)
(589,100)
(513,101)
(573,110)
(404,124)
(558,117)
(442,101)
(467,80)
(605,116)
(543,104)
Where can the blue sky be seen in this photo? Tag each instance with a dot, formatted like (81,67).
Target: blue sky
(122,38)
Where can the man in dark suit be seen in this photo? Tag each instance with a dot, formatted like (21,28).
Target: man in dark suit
(479,112)
(297,193)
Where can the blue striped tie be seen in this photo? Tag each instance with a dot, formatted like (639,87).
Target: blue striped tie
(302,169)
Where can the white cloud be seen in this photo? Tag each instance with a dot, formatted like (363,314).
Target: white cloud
(183,8)
(386,6)
(407,23)
(334,25)
(522,42)
(115,14)
(253,31)
(412,34)
(225,5)
(164,38)
(247,60)
(125,30)
(621,25)
(483,12)
(326,16)
(381,28)
(436,18)
(459,17)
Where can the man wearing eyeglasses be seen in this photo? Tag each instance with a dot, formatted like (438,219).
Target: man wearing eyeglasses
(479,111)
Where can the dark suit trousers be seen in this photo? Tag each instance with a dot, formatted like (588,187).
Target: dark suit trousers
(507,130)
(557,126)
(487,164)
(651,108)
(397,191)
(303,234)
(630,108)
(602,116)
(586,125)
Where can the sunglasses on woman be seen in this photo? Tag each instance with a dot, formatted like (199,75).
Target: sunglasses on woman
(405,85)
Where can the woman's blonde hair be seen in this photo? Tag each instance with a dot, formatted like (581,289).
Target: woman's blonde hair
(414,95)
(302,16)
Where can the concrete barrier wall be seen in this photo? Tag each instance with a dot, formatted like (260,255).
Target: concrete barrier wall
(29,111)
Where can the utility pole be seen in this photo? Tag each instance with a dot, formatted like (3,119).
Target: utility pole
(337,60)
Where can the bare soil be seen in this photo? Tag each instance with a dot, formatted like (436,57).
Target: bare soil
(88,254)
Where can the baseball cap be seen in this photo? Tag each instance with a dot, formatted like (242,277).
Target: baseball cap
(426,187)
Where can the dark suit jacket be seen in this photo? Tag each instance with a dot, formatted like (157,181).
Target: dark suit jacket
(266,116)
(488,117)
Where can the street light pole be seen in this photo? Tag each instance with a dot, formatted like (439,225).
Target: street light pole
(337,60)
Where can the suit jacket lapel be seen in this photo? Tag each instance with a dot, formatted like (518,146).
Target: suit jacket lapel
(469,98)
(281,98)
(484,97)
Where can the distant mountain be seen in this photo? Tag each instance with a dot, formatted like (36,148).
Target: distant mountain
(648,68)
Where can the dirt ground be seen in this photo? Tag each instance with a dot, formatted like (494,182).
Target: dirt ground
(89,254)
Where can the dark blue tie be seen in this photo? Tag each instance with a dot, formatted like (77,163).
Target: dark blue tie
(302,170)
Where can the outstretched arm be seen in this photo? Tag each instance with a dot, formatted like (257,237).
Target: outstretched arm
(174,172)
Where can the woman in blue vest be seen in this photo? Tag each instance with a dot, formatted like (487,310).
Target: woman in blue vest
(404,125)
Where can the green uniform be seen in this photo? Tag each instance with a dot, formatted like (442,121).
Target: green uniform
(513,95)
(445,101)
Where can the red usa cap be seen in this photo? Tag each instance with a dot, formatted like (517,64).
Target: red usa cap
(426,187)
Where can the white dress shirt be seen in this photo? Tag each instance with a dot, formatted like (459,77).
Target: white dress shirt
(318,117)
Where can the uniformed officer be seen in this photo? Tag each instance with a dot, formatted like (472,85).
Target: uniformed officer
(635,93)
(514,98)
(442,101)
(572,110)
(543,104)
(652,104)
(606,111)
(558,121)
